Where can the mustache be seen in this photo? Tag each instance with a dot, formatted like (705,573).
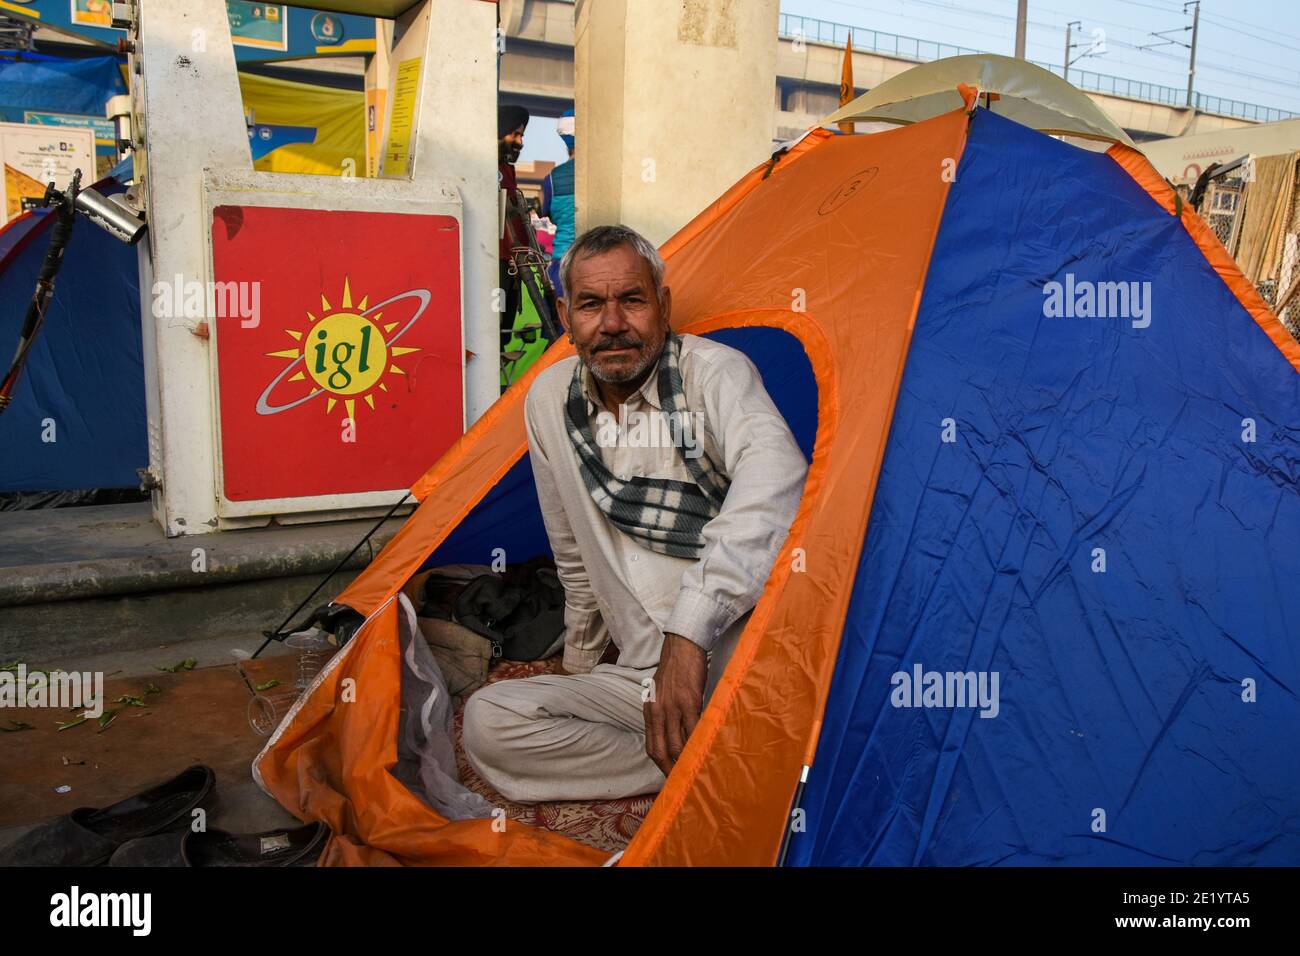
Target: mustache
(617,342)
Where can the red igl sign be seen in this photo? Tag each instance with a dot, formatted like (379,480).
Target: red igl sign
(349,377)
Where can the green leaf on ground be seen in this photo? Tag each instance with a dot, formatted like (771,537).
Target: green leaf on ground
(185,665)
(15,726)
(74,723)
(11,665)
(268,685)
(130,700)
(151,688)
(107,716)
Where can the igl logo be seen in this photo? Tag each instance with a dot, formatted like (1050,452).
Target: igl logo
(346,353)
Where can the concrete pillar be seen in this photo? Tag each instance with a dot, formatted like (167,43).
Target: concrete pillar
(674,103)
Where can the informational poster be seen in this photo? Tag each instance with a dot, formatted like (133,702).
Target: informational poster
(263,25)
(36,155)
(104,130)
(92,13)
(397,154)
(342,361)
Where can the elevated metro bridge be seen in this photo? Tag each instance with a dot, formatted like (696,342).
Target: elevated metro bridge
(537,70)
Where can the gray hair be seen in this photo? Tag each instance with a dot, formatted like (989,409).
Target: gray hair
(601,239)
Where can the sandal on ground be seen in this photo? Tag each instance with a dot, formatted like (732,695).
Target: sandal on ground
(88,836)
(300,846)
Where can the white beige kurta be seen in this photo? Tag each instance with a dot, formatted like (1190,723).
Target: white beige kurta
(581,736)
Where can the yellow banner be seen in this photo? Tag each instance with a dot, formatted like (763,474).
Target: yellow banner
(338,116)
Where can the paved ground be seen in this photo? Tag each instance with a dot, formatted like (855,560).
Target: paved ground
(121,547)
(77,581)
(195,716)
(100,589)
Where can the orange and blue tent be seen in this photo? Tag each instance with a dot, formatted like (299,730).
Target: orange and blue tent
(1102,510)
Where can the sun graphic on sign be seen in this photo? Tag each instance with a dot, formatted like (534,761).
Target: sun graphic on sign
(345,352)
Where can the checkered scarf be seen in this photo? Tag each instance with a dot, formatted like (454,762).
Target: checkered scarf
(663,514)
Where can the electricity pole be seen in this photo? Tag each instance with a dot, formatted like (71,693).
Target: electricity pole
(1191,65)
(1066,60)
(1096,47)
(1022,16)
(1195,6)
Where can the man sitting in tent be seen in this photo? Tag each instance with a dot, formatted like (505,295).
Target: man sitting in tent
(668,481)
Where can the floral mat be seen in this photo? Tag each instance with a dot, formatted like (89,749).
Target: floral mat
(604,824)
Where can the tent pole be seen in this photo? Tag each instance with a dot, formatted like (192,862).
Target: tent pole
(279,633)
(789,823)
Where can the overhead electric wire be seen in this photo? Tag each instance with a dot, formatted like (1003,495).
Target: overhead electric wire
(1236,29)
(1219,69)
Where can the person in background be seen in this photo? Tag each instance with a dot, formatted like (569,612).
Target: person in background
(511,123)
(557,202)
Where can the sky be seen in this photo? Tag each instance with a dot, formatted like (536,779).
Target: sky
(1247,50)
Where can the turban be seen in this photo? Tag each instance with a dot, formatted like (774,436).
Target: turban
(510,118)
(565,127)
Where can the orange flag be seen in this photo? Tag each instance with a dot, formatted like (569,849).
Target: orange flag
(846,84)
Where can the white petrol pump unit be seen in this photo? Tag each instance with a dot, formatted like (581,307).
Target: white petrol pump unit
(313,343)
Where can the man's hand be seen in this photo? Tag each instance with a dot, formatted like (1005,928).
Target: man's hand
(676,698)
(609,657)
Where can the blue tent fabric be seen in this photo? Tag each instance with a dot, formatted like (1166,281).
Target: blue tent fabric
(124,171)
(507,515)
(16,232)
(1124,733)
(85,373)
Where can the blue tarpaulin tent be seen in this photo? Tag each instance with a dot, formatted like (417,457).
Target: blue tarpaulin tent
(59,89)
(85,375)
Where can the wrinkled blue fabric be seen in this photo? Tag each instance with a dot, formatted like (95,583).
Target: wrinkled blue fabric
(83,385)
(1121,692)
